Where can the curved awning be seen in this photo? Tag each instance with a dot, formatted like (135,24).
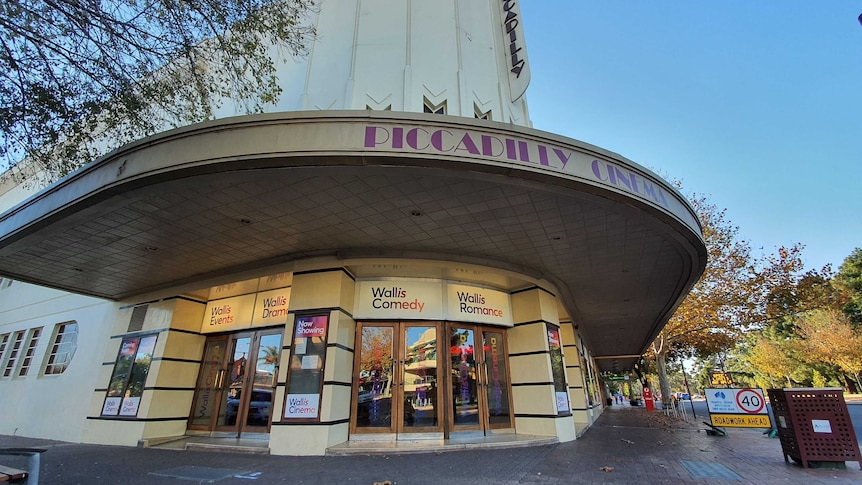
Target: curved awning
(620,245)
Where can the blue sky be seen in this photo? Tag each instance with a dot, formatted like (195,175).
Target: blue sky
(756,104)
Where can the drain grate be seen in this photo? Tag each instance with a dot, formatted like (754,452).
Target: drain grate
(701,469)
(199,473)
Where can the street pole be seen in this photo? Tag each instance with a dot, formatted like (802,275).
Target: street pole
(690,400)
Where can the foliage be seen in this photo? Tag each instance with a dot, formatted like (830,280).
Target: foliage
(828,335)
(376,354)
(773,360)
(810,337)
(724,302)
(80,78)
(728,300)
(849,278)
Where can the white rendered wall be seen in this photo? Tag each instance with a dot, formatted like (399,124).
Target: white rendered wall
(52,406)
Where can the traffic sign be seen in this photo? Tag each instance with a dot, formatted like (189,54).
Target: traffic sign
(750,401)
(744,408)
(740,420)
(720,379)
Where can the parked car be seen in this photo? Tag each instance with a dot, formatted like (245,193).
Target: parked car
(259,409)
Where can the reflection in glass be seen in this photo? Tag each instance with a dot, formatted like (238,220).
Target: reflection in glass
(374,386)
(498,381)
(465,400)
(420,377)
(235,382)
(266,362)
(557,369)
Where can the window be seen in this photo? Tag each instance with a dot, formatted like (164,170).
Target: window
(5,283)
(63,348)
(3,340)
(130,375)
(437,109)
(479,114)
(386,108)
(305,374)
(31,349)
(17,339)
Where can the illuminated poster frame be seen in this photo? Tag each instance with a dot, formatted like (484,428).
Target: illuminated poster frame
(558,368)
(129,377)
(306,368)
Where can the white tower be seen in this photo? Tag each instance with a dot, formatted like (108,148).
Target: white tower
(456,57)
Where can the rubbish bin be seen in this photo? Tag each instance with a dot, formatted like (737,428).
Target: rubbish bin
(814,425)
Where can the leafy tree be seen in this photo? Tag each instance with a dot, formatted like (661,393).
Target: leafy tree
(80,78)
(797,307)
(828,335)
(849,278)
(728,300)
(773,360)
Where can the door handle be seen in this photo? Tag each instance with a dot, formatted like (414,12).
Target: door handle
(220,379)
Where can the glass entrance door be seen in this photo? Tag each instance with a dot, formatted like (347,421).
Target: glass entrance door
(396,380)
(236,384)
(478,379)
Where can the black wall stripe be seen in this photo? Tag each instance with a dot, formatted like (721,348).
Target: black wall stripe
(313,311)
(176,359)
(532,322)
(519,384)
(322,423)
(134,419)
(181,330)
(160,388)
(339,346)
(337,383)
(524,290)
(524,354)
(543,416)
(177,297)
(325,270)
(142,333)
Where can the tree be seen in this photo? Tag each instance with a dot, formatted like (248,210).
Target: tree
(798,305)
(849,278)
(828,335)
(80,78)
(726,301)
(772,359)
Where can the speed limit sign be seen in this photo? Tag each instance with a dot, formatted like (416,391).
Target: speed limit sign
(750,401)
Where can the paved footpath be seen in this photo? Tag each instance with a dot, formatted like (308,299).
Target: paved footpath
(626,445)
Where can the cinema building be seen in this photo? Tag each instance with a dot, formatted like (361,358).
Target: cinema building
(392,254)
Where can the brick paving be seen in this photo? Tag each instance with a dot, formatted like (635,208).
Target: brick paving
(626,445)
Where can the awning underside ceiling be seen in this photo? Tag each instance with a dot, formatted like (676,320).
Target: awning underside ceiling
(618,268)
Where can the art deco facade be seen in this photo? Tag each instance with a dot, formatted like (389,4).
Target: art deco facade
(391,253)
